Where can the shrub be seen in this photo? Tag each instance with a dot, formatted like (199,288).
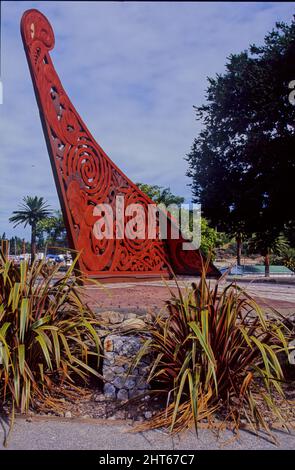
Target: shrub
(47,334)
(215,353)
(287,258)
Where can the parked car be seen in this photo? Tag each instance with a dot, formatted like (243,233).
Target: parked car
(55,258)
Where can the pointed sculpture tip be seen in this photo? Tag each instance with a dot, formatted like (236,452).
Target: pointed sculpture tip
(36,27)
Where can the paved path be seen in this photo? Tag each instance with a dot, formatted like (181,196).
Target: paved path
(153,294)
(274,294)
(56,434)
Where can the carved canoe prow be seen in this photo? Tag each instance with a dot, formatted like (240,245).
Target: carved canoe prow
(86,177)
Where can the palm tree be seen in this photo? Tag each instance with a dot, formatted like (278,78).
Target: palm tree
(31,211)
(266,244)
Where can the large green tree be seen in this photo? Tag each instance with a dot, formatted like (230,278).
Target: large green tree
(31,211)
(160,195)
(242,163)
(52,230)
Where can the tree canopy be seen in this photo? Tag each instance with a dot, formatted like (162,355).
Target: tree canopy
(242,162)
(160,195)
(52,229)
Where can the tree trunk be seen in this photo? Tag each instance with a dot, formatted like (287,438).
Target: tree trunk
(266,265)
(23,247)
(239,249)
(33,243)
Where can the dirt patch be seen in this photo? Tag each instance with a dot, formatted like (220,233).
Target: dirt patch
(89,403)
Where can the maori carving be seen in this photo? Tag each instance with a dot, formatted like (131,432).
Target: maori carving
(85,176)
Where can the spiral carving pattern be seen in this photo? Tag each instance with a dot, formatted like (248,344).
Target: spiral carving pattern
(85,176)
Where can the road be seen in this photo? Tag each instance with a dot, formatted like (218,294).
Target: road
(280,292)
(58,434)
(136,296)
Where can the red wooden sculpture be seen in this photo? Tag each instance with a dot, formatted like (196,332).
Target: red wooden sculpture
(85,176)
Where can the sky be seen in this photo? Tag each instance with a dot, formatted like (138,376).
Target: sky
(133,70)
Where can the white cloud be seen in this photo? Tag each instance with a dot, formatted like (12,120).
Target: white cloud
(134,71)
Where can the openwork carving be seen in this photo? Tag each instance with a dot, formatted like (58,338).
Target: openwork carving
(85,176)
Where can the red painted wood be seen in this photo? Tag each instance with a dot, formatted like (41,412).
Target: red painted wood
(85,176)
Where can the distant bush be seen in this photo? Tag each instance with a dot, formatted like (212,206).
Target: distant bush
(287,258)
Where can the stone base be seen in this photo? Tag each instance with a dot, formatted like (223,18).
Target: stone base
(119,354)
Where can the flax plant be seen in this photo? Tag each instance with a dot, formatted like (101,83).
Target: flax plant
(215,355)
(47,334)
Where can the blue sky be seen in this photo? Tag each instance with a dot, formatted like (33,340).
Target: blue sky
(133,71)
